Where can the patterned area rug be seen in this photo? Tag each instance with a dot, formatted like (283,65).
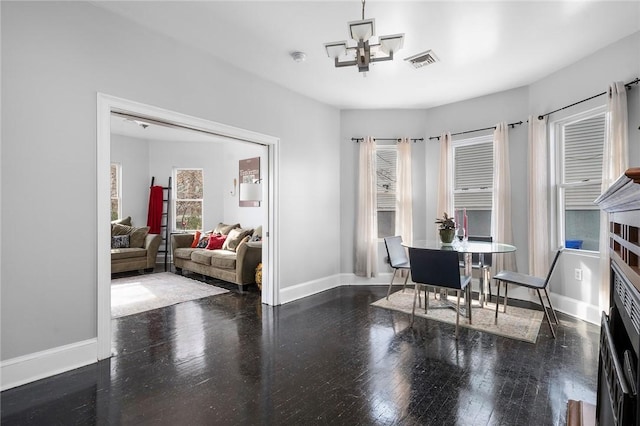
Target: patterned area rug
(517,323)
(132,295)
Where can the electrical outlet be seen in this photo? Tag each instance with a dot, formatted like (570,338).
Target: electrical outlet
(577,274)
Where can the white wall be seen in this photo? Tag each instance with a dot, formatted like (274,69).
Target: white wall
(56,56)
(133,156)
(380,124)
(619,61)
(164,156)
(248,217)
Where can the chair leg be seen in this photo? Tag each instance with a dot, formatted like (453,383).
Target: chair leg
(457,312)
(415,296)
(546,314)
(555,317)
(467,299)
(506,289)
(405,281)
(391,283)
(497,300)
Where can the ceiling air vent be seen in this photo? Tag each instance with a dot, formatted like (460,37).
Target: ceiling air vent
(422,59)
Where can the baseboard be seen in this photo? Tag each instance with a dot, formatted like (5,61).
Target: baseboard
(298,291)
(576,308)
(29,368)
(382,278)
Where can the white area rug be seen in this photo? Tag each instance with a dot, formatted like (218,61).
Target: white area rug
(132,295)
(516,323)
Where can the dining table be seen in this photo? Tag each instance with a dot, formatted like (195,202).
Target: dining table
(467,248)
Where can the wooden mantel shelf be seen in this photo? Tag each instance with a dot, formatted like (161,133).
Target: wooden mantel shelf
(624,194)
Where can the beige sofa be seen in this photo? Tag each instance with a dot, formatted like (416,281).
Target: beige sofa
(132,248)
(235,262)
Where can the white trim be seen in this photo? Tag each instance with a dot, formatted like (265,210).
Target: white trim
(38,365)
(105,105)
(576,308)
(309,288)
(382,278)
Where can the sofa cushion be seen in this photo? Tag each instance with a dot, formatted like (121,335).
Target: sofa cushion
(235,236)
(224,229)
(127,253)
(120,241)
(224,259)
(184,252)
(202,257)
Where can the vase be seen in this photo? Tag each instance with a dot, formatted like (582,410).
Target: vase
(447,235)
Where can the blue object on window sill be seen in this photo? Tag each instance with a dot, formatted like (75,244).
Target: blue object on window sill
(573,244)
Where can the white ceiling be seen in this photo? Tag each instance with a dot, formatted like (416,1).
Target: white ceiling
(483,47)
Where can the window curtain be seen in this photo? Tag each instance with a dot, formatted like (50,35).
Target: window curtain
(445,179)
(538,198)
(501,204)
(404,197)
(615,160)
(367,218)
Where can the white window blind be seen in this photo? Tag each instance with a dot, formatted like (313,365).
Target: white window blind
(386,178)
(583,145)
(473,175)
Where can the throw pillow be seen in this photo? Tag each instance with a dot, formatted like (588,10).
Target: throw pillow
(119,241)
(235,236)
(216,241)
(123,221)
(257,234)
(196,239)
(203,242)
(138,236)
(224,229)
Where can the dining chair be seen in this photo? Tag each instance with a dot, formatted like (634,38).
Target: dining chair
(487,262)
(438,268)
(398,259)
(528,281)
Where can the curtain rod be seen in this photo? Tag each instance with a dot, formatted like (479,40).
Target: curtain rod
(627,85)
(358,140)
(512,125)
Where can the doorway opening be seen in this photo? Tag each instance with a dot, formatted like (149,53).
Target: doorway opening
(108,105)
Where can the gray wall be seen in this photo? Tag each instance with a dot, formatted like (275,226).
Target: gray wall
(55,58)
(133,156)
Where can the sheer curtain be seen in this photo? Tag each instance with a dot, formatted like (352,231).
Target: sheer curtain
(445,179)
(501,217)
(367,218)
(615,160)
(404,198)
(538,198)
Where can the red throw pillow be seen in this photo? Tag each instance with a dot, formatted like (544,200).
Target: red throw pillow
(196,238)
(216,241)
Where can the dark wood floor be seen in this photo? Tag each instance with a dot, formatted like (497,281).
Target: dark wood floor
(326,359)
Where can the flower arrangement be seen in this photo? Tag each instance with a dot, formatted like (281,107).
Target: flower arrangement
(446,222)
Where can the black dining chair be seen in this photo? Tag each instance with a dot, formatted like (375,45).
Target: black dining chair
(398,259)
(528,281)
(485,270)
(438,268)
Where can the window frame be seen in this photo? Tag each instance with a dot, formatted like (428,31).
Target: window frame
(175,199)
(557,140)
(393,148)
(118,188)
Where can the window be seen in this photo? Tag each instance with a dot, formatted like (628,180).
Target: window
(189,199)
(116,197)
(386,157)
(579,144)
(473,181)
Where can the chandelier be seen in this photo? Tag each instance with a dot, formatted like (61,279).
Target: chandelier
(364,47)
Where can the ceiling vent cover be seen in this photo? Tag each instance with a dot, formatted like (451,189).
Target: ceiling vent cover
(422,59)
